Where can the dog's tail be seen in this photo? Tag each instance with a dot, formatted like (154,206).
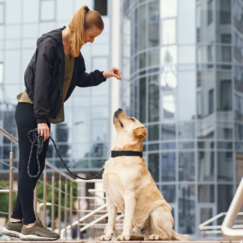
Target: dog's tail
(176,236)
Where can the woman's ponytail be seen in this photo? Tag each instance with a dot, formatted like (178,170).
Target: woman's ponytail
(82,20)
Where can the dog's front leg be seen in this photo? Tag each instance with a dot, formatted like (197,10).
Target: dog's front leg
(130,202)
(112,212)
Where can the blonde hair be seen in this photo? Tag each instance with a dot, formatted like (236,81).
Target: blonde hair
(83,19)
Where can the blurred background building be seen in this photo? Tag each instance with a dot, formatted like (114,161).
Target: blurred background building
(181,63)
(182,77)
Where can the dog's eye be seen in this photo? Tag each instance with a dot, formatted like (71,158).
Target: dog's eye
(132,119)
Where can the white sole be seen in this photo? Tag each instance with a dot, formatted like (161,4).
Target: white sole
(35,238)
(11,233)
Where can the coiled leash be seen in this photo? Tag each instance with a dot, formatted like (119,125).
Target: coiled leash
(38,141)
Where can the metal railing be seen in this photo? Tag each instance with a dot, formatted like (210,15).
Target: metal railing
(64,221)
(228,229)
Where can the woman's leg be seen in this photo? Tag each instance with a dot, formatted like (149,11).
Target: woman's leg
(25,120)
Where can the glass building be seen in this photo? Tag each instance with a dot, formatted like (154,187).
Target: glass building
(84,138)
(183,79)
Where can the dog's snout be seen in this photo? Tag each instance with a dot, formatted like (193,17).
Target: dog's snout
(117,112)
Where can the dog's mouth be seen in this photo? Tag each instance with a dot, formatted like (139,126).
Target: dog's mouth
(116,116)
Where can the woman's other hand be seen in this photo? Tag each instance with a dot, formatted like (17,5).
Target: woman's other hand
(43,130)
(113,72)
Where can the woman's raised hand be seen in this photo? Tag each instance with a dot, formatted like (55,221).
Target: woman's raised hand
(113,72)
(43,130)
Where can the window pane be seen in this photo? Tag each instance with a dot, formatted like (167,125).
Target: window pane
(142,99)
(186,130)
(99,130)
(168,107)
(224,130)
(142,24)
(153,162)
(168,8)
(168,166)
(153,24)
(186,166)
(186,209)
(2,13)
(169,193)
(168,32)
(48,10)
(206,166)
(225,166)
(168,131)
(153,132)
(154,98)
(206,193)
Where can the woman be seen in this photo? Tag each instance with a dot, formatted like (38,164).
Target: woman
(55,69)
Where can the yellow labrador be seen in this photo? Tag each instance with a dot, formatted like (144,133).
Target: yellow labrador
(130,187)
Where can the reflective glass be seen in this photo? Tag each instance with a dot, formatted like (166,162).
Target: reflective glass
(62,132)
(225,166)
(30,16)
(238,131)
(81,124)
(186,130)
(168,32)
(225,145)
(205,130)
(152,147)
(206,193)
(81,163)
(153,162)
(99,112)
(98,163)
(168,167)
(224,198)
(238,107)
(153,36)
(167,146)
(186,21)
(47,10)
(168,107)
(2,13)
(186,145)
(142,25)
(99,150)
(186,198)
(168,131)
(153,59)
(168,8)
(99,130)
(223,54)
(224,93)
(142,100)
(81,150)
(13,13)
(224,130)
(205,145)
(153,132)
(186,96)
(186,166)
(169,193)
(154,98)
(65,150)
(205,166)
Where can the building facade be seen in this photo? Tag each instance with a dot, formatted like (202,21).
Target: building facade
(182,78)
(84,138)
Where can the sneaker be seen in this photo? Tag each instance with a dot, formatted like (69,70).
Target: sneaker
(38,233)
(12,229)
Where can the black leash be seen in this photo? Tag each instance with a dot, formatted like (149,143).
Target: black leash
(38,141)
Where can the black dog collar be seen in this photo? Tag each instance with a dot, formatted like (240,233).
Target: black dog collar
(126,153)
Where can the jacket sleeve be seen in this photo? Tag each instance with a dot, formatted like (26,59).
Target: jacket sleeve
(88,79)
(44,66)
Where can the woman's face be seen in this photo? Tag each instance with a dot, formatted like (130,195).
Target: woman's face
(91,33)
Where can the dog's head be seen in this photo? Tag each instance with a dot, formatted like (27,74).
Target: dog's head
(130,132)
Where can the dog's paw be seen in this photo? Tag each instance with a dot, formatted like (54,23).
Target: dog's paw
(123,237)
(105,237)
(154,237)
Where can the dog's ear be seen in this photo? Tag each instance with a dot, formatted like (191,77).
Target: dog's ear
(140,132)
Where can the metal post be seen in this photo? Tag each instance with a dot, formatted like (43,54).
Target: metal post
(65,211)
(35,199)
(53,202)
(11,177)
(59,204)
(44,196)
(71,210)
(79,215)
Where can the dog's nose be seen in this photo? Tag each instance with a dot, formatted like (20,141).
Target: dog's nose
(119,109)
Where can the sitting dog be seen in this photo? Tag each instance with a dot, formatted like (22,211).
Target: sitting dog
(130,187)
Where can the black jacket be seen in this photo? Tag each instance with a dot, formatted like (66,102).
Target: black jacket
(45,72)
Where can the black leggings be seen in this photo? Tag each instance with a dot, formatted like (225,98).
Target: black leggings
(25,120)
